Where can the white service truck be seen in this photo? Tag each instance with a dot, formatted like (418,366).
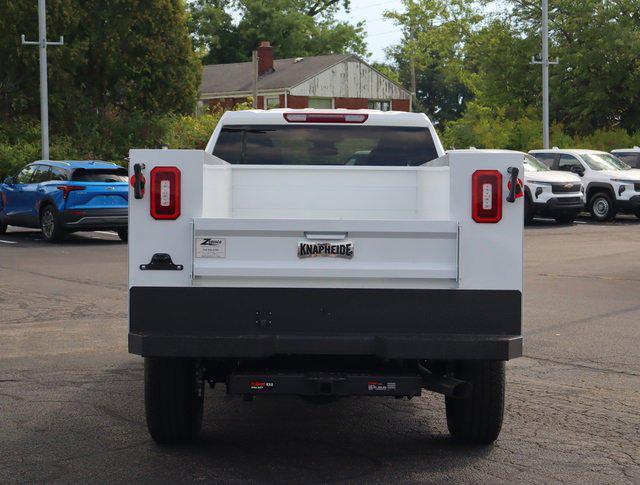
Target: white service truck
(325,254)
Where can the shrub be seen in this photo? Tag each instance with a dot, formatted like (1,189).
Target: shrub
(484,127)
(107,137)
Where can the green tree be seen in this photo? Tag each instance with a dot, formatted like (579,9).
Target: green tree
(434,37)
(119,56)
(498,68)
(388,70)
(597,84)
(294,27)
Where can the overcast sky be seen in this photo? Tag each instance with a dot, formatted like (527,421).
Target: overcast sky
(381,33)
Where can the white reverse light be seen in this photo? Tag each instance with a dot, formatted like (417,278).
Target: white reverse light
(487,196)
(165,193)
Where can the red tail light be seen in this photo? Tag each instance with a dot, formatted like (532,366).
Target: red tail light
(487,196)
(325,117)
(165,193)
(66,189)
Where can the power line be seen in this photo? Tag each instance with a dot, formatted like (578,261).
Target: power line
(372,6)
(397,31)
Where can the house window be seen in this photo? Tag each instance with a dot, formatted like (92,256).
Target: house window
(272,102)
(321,103)
(382,105)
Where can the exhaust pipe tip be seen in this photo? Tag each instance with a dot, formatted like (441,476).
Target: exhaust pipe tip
(462,390)
(449,386)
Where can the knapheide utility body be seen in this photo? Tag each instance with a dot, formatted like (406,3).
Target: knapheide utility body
(325,254)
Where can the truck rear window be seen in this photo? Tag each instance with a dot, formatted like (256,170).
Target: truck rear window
(325,145)
(108,175)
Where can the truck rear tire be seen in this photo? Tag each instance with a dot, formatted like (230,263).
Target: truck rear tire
(173,395)
(478,419)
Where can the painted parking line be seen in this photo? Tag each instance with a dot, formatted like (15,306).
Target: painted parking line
(106,232)
(8,242)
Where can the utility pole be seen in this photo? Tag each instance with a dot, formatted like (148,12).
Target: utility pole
(413,82)
(545,73)
(44,90)
(412,36)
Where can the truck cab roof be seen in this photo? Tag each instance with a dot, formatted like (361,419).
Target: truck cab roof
(386,130)
(373,117)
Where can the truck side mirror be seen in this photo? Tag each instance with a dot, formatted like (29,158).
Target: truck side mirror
(577,169)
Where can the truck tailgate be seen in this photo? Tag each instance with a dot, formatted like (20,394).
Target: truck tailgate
(247,249)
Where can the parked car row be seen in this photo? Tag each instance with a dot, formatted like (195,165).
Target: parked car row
(67,196)
(607,184)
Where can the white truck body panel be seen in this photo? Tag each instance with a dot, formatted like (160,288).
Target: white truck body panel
(404,222)
(423,279)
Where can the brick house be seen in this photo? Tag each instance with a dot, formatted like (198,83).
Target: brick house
(331,81)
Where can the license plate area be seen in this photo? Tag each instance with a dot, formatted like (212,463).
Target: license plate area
(324,384)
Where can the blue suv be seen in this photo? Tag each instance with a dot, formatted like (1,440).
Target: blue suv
(67,196)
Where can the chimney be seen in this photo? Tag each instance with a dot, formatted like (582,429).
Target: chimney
(265,58)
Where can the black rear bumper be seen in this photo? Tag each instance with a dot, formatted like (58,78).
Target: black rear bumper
(91,219)
(263,322)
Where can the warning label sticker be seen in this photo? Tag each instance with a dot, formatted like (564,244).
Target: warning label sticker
(260,385)
(381,386)
(210,247)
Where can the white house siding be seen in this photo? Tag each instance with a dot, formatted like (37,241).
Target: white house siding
(350,79)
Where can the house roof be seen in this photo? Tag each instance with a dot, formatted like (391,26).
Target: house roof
(238,77)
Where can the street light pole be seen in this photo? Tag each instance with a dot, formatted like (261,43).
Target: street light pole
(545,73)
(44,90)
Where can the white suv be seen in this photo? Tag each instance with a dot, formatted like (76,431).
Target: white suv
(611,185)
(630,156)
(551,193)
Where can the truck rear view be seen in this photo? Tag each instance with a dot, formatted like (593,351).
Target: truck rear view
(325,254)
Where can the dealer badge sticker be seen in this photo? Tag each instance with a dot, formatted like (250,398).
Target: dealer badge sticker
(342,249)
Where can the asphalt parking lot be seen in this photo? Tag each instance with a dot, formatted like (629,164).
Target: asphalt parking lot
(71,397)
